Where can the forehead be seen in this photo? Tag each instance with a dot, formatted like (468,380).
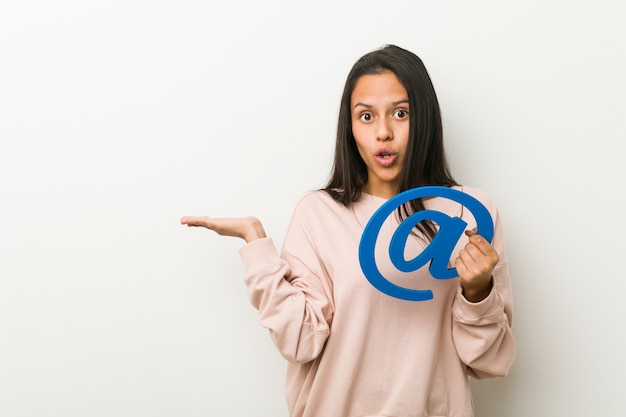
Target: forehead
(378,87)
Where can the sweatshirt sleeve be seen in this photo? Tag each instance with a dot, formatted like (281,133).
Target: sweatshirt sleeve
(482,331)
(291,294)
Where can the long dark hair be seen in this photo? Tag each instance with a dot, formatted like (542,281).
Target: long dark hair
(425,162)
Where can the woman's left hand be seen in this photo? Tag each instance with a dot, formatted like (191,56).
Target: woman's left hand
(475,266)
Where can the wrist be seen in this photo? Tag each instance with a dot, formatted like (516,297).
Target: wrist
(476,295)
(254,231)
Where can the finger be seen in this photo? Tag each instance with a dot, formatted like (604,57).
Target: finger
(470,260)
(476,262)
(190,221)
(468,274)
(481,243)
(471,253)
(461,268)
(467,270)
(471,232)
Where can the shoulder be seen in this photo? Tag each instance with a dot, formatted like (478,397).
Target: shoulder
(481,196)
(477,193)
(317,200)
(317,208)
(316,216)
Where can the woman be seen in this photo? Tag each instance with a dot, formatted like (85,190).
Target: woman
(352,349)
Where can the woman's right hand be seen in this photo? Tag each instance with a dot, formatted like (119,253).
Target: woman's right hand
(247,228)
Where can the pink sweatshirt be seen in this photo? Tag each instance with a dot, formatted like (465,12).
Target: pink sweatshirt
(354,351)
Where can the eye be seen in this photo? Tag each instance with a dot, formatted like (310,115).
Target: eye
(401,114)
(366,117)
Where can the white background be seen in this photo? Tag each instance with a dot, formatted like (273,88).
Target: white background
(119,117)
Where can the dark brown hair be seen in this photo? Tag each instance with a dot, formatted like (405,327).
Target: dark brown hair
(425,162)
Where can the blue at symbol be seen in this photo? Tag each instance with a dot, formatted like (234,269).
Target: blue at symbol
(438,251)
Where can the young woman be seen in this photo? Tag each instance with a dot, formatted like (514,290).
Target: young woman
(352,349)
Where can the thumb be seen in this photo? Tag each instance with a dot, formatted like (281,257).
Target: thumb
(471,232)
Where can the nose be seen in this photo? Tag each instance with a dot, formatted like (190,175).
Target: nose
(384,131)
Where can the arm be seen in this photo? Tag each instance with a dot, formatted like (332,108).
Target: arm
(246,228)
(294,302)
(482,309)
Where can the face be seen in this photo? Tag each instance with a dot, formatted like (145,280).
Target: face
(380,124)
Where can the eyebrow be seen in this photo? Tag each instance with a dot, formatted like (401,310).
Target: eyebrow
(369,106)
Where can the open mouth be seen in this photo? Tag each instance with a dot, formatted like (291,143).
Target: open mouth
(385,158)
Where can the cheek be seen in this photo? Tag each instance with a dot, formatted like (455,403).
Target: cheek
(358,136)
(403,136)
(361,150)
(356,132)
